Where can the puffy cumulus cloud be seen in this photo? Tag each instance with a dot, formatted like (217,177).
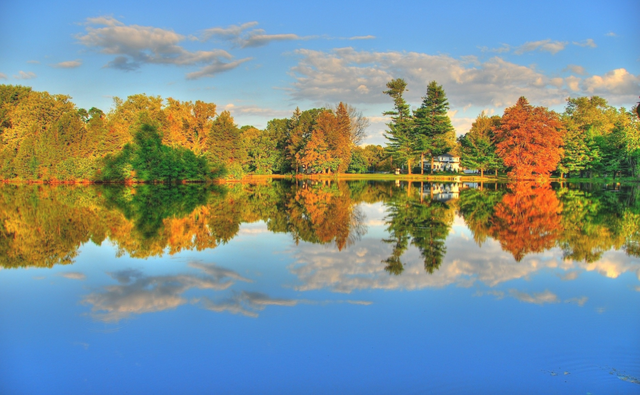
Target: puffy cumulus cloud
(70,64)
(536,298)
(573,83)
(25,75)
(613,264)
(576,69)
(246,303)
(552,47)
(244,36)
(3,76)
(345,74)
(134,46)
(586,43)
(137,293)
(74,275)
(618,81)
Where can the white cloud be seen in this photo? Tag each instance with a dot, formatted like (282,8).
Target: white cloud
(552,47)
(569,276)
(343,74)
(586,43)
(249,110)
(138,294)
(504,48)
(136,45)
(246,303)
(230,33)
(33,61)
(25,75)
(536,298)
(3,76)
(579,301)
(241,36)
(214,68)
(257,38)
(611,34)
(70,64)
(573,83)
(368,37)
(618,81)
(74,275)
(576,69)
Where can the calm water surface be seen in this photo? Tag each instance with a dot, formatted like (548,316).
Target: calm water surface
(334,287)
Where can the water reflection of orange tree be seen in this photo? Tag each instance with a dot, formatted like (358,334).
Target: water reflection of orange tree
(527,219)
(323,212)
(39,226)
(423,223)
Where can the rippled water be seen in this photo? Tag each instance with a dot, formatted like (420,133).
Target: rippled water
(316,287)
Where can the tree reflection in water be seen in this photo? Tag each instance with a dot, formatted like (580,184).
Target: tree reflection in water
(46,225)
(423,223)
(527,219)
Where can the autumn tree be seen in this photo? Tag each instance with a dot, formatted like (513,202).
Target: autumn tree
(339,138)
(433,133)
(188,124)
(317,155)
(530,140)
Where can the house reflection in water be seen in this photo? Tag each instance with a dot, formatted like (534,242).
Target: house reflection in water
(443,192)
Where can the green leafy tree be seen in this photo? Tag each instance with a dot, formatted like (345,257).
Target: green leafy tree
(478,148)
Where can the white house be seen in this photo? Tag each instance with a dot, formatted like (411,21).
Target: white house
(445,162)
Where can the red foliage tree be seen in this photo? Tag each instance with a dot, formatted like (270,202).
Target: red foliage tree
(529,140)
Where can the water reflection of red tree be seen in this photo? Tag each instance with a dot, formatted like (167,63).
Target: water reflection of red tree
(528,219)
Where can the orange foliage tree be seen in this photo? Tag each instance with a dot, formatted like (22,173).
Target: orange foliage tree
(529,140)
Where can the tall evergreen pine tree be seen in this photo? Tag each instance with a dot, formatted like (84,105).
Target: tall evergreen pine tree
(433,133)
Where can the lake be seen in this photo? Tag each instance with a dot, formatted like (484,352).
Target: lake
(320,287)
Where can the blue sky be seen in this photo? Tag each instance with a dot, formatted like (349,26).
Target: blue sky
(262,59)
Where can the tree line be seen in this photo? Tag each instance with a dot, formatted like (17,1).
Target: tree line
(45,137)
(590,138)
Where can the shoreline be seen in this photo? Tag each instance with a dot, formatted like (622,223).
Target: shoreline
(372,177)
